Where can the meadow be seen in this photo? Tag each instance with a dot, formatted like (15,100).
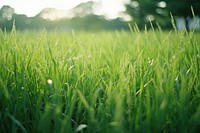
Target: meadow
(120,81)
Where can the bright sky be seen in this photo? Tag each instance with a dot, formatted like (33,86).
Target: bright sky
(110,8)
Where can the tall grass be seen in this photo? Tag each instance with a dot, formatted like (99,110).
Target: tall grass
(100,82)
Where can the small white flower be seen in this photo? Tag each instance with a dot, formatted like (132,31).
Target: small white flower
(49,81)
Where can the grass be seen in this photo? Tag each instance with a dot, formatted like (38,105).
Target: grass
(100,82)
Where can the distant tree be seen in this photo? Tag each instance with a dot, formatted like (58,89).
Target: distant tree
(84,9)
(21,21)
(6,13)
(143,11)
(183,8)
(6,17)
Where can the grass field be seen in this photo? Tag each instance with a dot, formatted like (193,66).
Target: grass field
(100,82)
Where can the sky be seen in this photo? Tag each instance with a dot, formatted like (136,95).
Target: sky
(110,8)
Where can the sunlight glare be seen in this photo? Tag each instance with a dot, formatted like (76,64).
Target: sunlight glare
(109,8)
(33,7)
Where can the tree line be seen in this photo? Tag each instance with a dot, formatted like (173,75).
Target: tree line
(84,20)
(145,13)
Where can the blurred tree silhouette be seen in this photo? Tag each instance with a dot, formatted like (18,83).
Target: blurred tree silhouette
(6,16)
(6,13)
(84,9)
(143,11)
(83,19)
(184,8)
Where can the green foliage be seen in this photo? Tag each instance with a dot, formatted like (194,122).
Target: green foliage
(99,82)
(183,7)
(158,11)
